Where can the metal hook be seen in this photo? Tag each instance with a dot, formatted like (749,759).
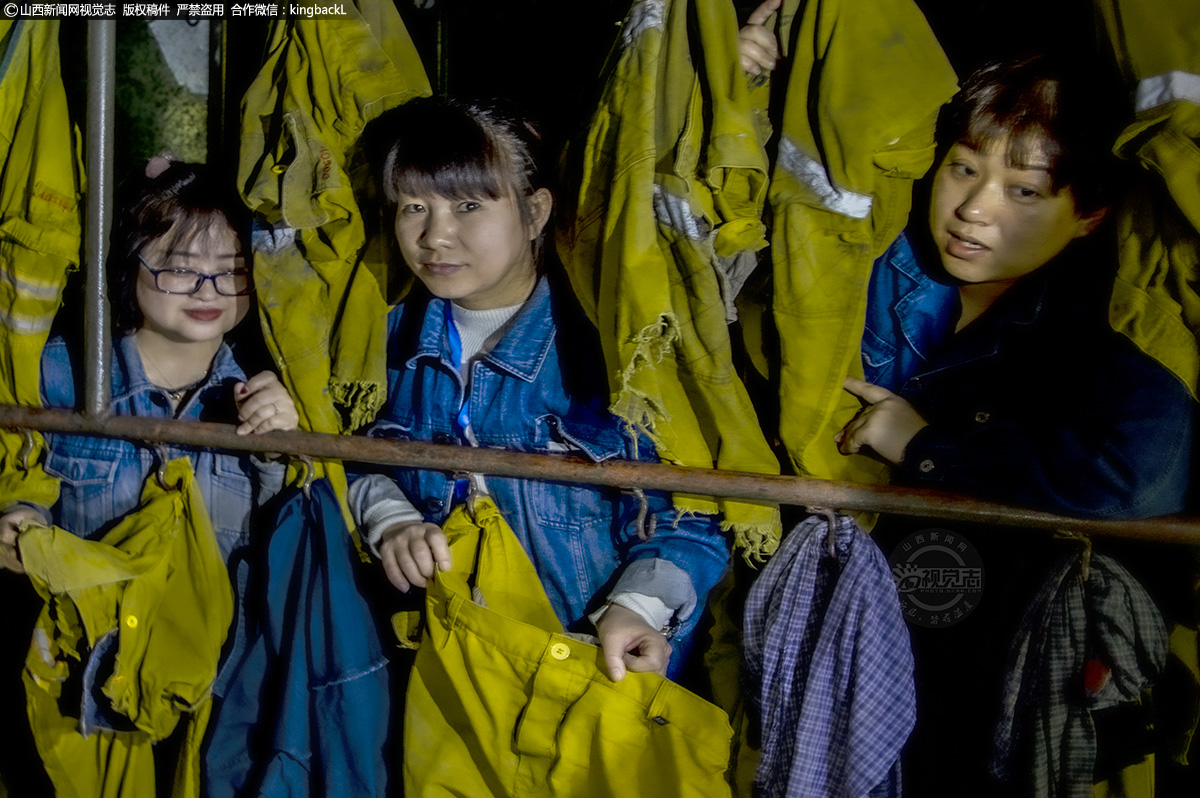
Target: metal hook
(643,532)
(160,451)
(1085,560)
(26,449)
(472,491)
(308,469)
(831,529)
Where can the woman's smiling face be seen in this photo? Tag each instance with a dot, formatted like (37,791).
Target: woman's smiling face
(205,315)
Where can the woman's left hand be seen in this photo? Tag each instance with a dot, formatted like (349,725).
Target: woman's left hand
(263,405)
(631,644)
(886,424)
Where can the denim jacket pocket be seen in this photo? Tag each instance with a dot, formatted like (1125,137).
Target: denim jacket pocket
(233,497)
(87,478)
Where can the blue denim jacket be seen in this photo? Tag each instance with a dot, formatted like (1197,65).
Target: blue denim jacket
(1038,401)
(102,477)
(909,316)
(582,539)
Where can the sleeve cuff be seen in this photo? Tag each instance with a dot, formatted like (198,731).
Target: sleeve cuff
(660,579)
(384,514)
(652,609)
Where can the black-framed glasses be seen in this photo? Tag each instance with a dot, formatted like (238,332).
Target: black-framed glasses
(235,282)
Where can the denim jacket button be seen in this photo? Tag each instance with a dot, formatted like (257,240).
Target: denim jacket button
(434,505)
(982,416)
(444,438)
(926,466)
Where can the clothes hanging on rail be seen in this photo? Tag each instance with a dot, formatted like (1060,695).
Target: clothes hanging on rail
(1156,301)
(40,231)
(1090,642)
(303,708)
(323,300)
(663,232)
(134,621)
(828,666)
(854,102)
(501,702)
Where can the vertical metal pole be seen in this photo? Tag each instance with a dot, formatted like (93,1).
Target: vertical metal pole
(443,56)
(102,50)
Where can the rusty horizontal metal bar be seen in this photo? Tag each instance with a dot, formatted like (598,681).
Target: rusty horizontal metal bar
(774,489)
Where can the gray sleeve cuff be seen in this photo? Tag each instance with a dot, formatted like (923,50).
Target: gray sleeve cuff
(661,579)
(37,508)
(377,503)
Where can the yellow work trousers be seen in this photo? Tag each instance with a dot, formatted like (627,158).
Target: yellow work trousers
(502,703)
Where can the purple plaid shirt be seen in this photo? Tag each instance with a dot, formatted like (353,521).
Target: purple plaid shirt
(829,667)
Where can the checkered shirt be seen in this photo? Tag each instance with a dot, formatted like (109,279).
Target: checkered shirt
(1045,742)
(827,661)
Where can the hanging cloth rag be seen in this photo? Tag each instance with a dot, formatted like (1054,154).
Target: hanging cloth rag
(828,666)
(854,100)
(305,708)
(502,703)
(322,291)
(40,233)
(1045,742)
(1156,300)
(139,617)
(664,230)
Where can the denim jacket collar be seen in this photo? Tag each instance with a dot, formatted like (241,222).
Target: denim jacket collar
(921,310)
(521,352)
(1022,306)
(129,375)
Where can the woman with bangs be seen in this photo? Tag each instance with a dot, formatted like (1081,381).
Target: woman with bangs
(490,349)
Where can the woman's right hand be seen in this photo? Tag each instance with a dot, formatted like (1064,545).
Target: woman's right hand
(10,523)
(412,553)
(757,45)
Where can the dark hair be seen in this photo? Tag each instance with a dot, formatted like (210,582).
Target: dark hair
(1020,100)
(465,151)
(181,201)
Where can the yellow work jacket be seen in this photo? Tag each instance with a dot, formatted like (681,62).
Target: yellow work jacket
(322,292)
(156,587)
(1155,300)
(662,233)
(323,305)
(502,703)
(40,231)
(863,82)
